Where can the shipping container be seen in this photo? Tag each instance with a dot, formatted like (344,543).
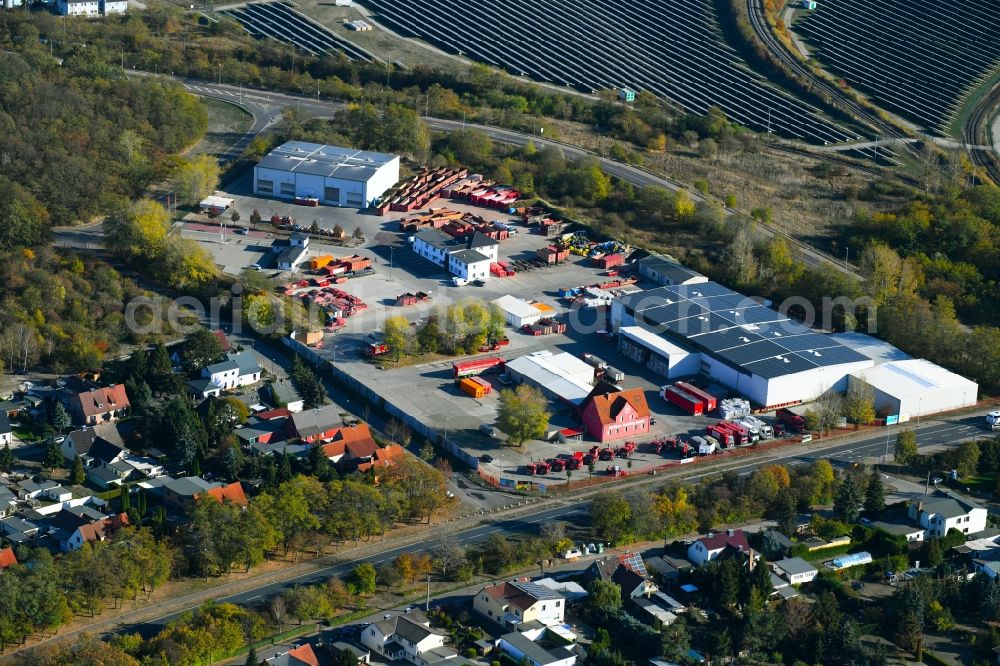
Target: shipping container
(706,397)
(475,386)
(791,419)
(609,260)
(476,367)
(317,263)
(685,401)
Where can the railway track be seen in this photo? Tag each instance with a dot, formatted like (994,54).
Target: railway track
(840,101)
(977,132)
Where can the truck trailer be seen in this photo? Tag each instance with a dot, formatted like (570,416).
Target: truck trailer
(477,367)
(707,398)
(684,400)
(791,419)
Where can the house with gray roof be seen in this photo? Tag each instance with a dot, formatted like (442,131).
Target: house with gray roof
(403,636)
(284,394)
(944,511)
(468,259)
(528,646)
(80,442)
(795,570)
(240,369)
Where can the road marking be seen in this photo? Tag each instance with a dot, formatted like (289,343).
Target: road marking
(256,597)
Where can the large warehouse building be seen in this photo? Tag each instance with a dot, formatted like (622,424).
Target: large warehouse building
(560,376)
(335,176)
(740,343)
(915,387)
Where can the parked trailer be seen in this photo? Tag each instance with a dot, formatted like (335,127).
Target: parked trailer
(751,428)
(684,400)
(477,367)
(595,361)
(791,419)
(722,434)
(614,375)
(706,397)
(741,431)
(475,386)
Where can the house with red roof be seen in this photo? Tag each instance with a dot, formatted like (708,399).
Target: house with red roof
(721,545)
(7,558)
(352,444)
(616,415)
(232,492)
(383,459)
(100,405)
(303,655)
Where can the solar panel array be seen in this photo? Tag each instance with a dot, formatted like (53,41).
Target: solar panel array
(633,562)
(916,57)
(736,329)
(671,48)
(280,21)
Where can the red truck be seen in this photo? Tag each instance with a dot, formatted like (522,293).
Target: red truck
(477,367)
(606,454)
(740,432)
(574,463)
(376,349)
(721,433)
(684,400)
(707,398)
(558,464)
(791,419)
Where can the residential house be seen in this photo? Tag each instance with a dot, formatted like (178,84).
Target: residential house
(6,432)
(231,492)
(7,558)
(79,442)
(283,394)
(795,570)
(633,585)
(382,460)
(516,602)
(944,511)
(42,490)
(203,389)
(616,415)
(72,528)
(720,545)
(351,445)
(303,655)
(606,567)
(314,425)
(362,655)
(108,464)
(258,430)
(113,7)
(468,259)
(569,590)
(402,636)
(668,568)
(8,501)
(100,405)
(667,271)
(179,494)
(655,611)
(18,530)
(78,7)
(240,369)
(527,647)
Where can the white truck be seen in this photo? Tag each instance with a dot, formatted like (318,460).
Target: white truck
(753,432)
(703,446)
(763,429)
(993,420)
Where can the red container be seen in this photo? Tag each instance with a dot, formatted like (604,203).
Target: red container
(704,396)
(479,366)
(791,419)
(684,400)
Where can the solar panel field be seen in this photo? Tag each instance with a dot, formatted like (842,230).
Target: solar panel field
(280,21)
(672,48)
(917,58)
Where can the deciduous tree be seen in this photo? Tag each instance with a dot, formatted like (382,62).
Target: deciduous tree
(522,414)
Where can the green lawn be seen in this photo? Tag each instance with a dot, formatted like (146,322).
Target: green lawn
(226,124)
(983,484)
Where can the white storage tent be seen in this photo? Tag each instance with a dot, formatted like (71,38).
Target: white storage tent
(916,387)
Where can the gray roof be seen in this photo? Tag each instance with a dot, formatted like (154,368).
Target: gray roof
(327,161)
(102,474)
(437,238)
(531,649)
(15,525)
(222,366)
(255,427)
(479,239)
(410,626)
(84,438)
(189,486)
(469,256)
(668,267)
(538,592)
(314,421)
(949,506)
(291,255)
(283,391)
(201,385)
(103,450)
(247,362)
(795,565)
(735,329)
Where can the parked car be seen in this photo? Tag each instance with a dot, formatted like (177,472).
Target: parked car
(256,267)
(242,231)
(488,430)
(479,282)
(459,282)
(572,554)
(486,458)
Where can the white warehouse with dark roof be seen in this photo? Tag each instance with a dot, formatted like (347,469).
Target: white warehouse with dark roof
(336,176)
(740,343)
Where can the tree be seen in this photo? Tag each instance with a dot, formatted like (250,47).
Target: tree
(906,450)
(77,476)
(235,217)
(874,493)
(60,418)
(201,348)
(255,218)
(907,613)
(395,334)
(522,414)
(252,652)
(610,514)
(53,455)
(362,580)
(934,552)
(605,596)
(967,459)
(847,503)
(346,658)
(859,406)
(307,384)
(727,583)
(7,458)
(196,178)
(785,512)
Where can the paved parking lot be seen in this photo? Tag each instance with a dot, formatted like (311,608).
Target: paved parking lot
(427,391)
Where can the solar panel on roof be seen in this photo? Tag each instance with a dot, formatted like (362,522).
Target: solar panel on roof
(633,562)
(755,351)
(770,368)
(805,342)
(837,355)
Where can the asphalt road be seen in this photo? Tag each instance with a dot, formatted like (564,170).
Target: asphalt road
(930,434)
(266,108)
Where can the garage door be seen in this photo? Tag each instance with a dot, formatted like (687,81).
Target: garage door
(266,186)
(332,194)
(354,199)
